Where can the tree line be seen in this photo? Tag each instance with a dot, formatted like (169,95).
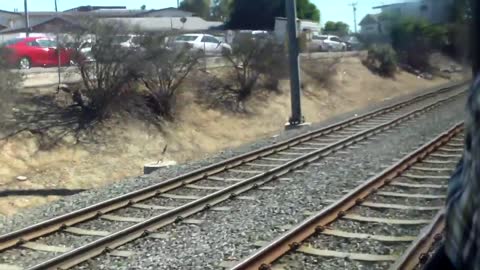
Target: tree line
(248,14)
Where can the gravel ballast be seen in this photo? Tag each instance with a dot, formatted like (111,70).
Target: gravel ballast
(230,236)
(206,245)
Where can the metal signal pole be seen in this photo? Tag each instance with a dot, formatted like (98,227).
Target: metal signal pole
(27,23)
(354,5)
(58,51)
(296,118)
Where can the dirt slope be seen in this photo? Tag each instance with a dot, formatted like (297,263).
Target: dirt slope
(198,132)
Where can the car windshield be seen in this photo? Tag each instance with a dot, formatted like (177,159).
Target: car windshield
(186,38)
(319,37)
(120,39)
(47,43)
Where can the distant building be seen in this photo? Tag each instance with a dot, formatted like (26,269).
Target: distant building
(434,11)
(12,23)
(371,25)
(303,26)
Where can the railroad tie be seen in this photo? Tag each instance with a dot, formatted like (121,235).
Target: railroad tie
(304,148)
(442,162)
(426,177)
(336,137)
(152,207)
(381,238)
(321,145)
(455,144)
(9,267)
(276,159)
(408,185)
(431,169)
(47,248)
(246,171)
(262,165)
(386,220)
(360,218)
(215,178)
(80,231)
(290,153)
(203,187)
(401,206)
(451,150)
(410,195)
(138,220)
(121,218)
(353,256)
(121,253)
(179,197)
(445,155)
(338,254)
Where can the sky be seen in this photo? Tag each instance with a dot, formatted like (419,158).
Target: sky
(336,10)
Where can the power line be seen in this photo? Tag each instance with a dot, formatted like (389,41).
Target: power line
(354,6)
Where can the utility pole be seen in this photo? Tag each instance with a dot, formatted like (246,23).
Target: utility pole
(178,3)
(296,119)
(58,50)
(27,23)
(354,6)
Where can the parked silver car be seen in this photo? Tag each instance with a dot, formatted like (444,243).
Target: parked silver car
(204,43)
(327,43)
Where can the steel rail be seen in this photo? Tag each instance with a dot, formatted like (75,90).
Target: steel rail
(291,240)
(49,226)
(119,238)
(417,252)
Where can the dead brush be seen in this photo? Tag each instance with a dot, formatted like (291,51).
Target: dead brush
(320,73)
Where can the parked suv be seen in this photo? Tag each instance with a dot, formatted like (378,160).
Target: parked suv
(327,43)
(206,44)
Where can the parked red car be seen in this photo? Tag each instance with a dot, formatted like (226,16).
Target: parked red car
(35,52)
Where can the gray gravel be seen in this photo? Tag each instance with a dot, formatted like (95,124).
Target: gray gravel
(71,203)
(264,215)
(229,237)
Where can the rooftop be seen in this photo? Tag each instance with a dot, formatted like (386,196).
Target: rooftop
(395,4)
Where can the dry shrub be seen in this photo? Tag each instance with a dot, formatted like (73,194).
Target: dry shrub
(253,60)
(110,77)
(321,72)
(163,71)
(382,60)
(9,84)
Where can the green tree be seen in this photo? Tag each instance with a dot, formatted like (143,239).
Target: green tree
(338,28)
(221,9)
(307,10)
(200,7)
(143,7)
(260,14)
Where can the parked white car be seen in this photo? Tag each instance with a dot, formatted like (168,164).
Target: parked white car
(206,44)
(327,43)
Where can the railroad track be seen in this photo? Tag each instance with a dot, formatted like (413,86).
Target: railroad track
(141,213)
(373,225)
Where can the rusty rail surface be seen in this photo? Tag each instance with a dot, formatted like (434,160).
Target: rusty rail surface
(263,258)
(417,252)
(116,239)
